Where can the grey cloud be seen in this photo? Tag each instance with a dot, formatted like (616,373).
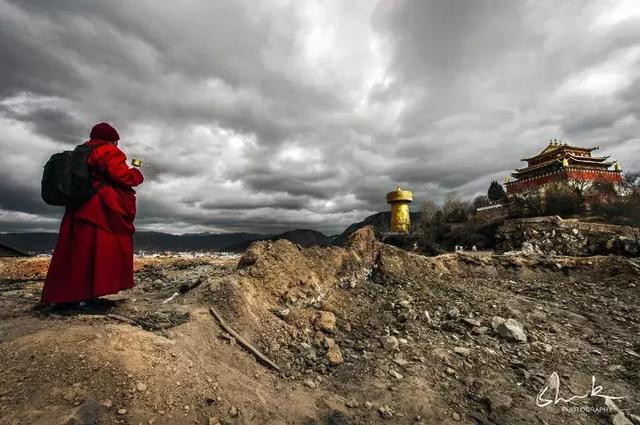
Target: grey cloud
(54,123)
(263,117)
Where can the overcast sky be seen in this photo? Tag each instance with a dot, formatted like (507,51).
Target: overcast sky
(272,115)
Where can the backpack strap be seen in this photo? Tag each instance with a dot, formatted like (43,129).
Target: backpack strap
(95,174)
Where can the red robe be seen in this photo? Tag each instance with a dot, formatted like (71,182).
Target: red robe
(94,252)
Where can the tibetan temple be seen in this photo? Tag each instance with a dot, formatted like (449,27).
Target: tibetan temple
(562,162)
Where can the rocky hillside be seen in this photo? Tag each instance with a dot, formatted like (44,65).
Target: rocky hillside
(361,334)
(555,236)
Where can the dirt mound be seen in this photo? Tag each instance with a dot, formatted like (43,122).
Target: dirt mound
(281,292)
(365,333)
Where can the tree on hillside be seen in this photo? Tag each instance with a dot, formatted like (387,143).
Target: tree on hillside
(430,228)
(438,218)
(496,192)
(426,231)
(429,209)
(526,205)
(561,200)
(618,204)
(454,209)
(609,202)
(605,190)
(580,188)
(631,182)
(481,199)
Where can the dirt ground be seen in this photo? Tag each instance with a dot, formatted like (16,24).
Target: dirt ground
(363,334)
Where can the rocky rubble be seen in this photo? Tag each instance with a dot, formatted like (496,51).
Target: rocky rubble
(555,236)
(366,333)
(403,316)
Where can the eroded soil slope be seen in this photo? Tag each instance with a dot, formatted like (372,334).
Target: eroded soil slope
(362,334)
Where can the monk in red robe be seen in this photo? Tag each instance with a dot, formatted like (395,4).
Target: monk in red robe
(94,252)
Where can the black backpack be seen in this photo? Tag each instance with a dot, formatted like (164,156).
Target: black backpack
(66,180)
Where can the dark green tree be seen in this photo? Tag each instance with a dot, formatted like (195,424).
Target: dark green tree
(479,200)
(496,192)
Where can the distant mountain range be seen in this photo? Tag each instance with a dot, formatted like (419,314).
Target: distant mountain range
(41,242)
(302,237)
(144,241)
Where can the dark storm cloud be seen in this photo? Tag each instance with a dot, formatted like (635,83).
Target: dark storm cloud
(28,66)
(17,197)
(273,115)
(50,122)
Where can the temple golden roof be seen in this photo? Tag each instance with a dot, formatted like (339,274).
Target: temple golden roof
(556,145)
(566,161)
(538,166)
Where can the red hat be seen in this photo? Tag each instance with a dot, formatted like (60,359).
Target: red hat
(104,131)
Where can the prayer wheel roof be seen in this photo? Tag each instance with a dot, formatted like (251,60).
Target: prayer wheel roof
(399,195)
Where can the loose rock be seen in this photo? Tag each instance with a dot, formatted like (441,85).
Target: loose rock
(334,355)
(472,322)
(464,352)
(385,412)
(326,321)
(395,374)
(352,404)
(390,342)
(498,402)
(508,329)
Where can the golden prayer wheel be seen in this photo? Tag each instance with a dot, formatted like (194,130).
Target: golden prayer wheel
(400,219)
(136,162)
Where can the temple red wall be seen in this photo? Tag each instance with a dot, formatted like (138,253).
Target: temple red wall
(594,175)
(568,174)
